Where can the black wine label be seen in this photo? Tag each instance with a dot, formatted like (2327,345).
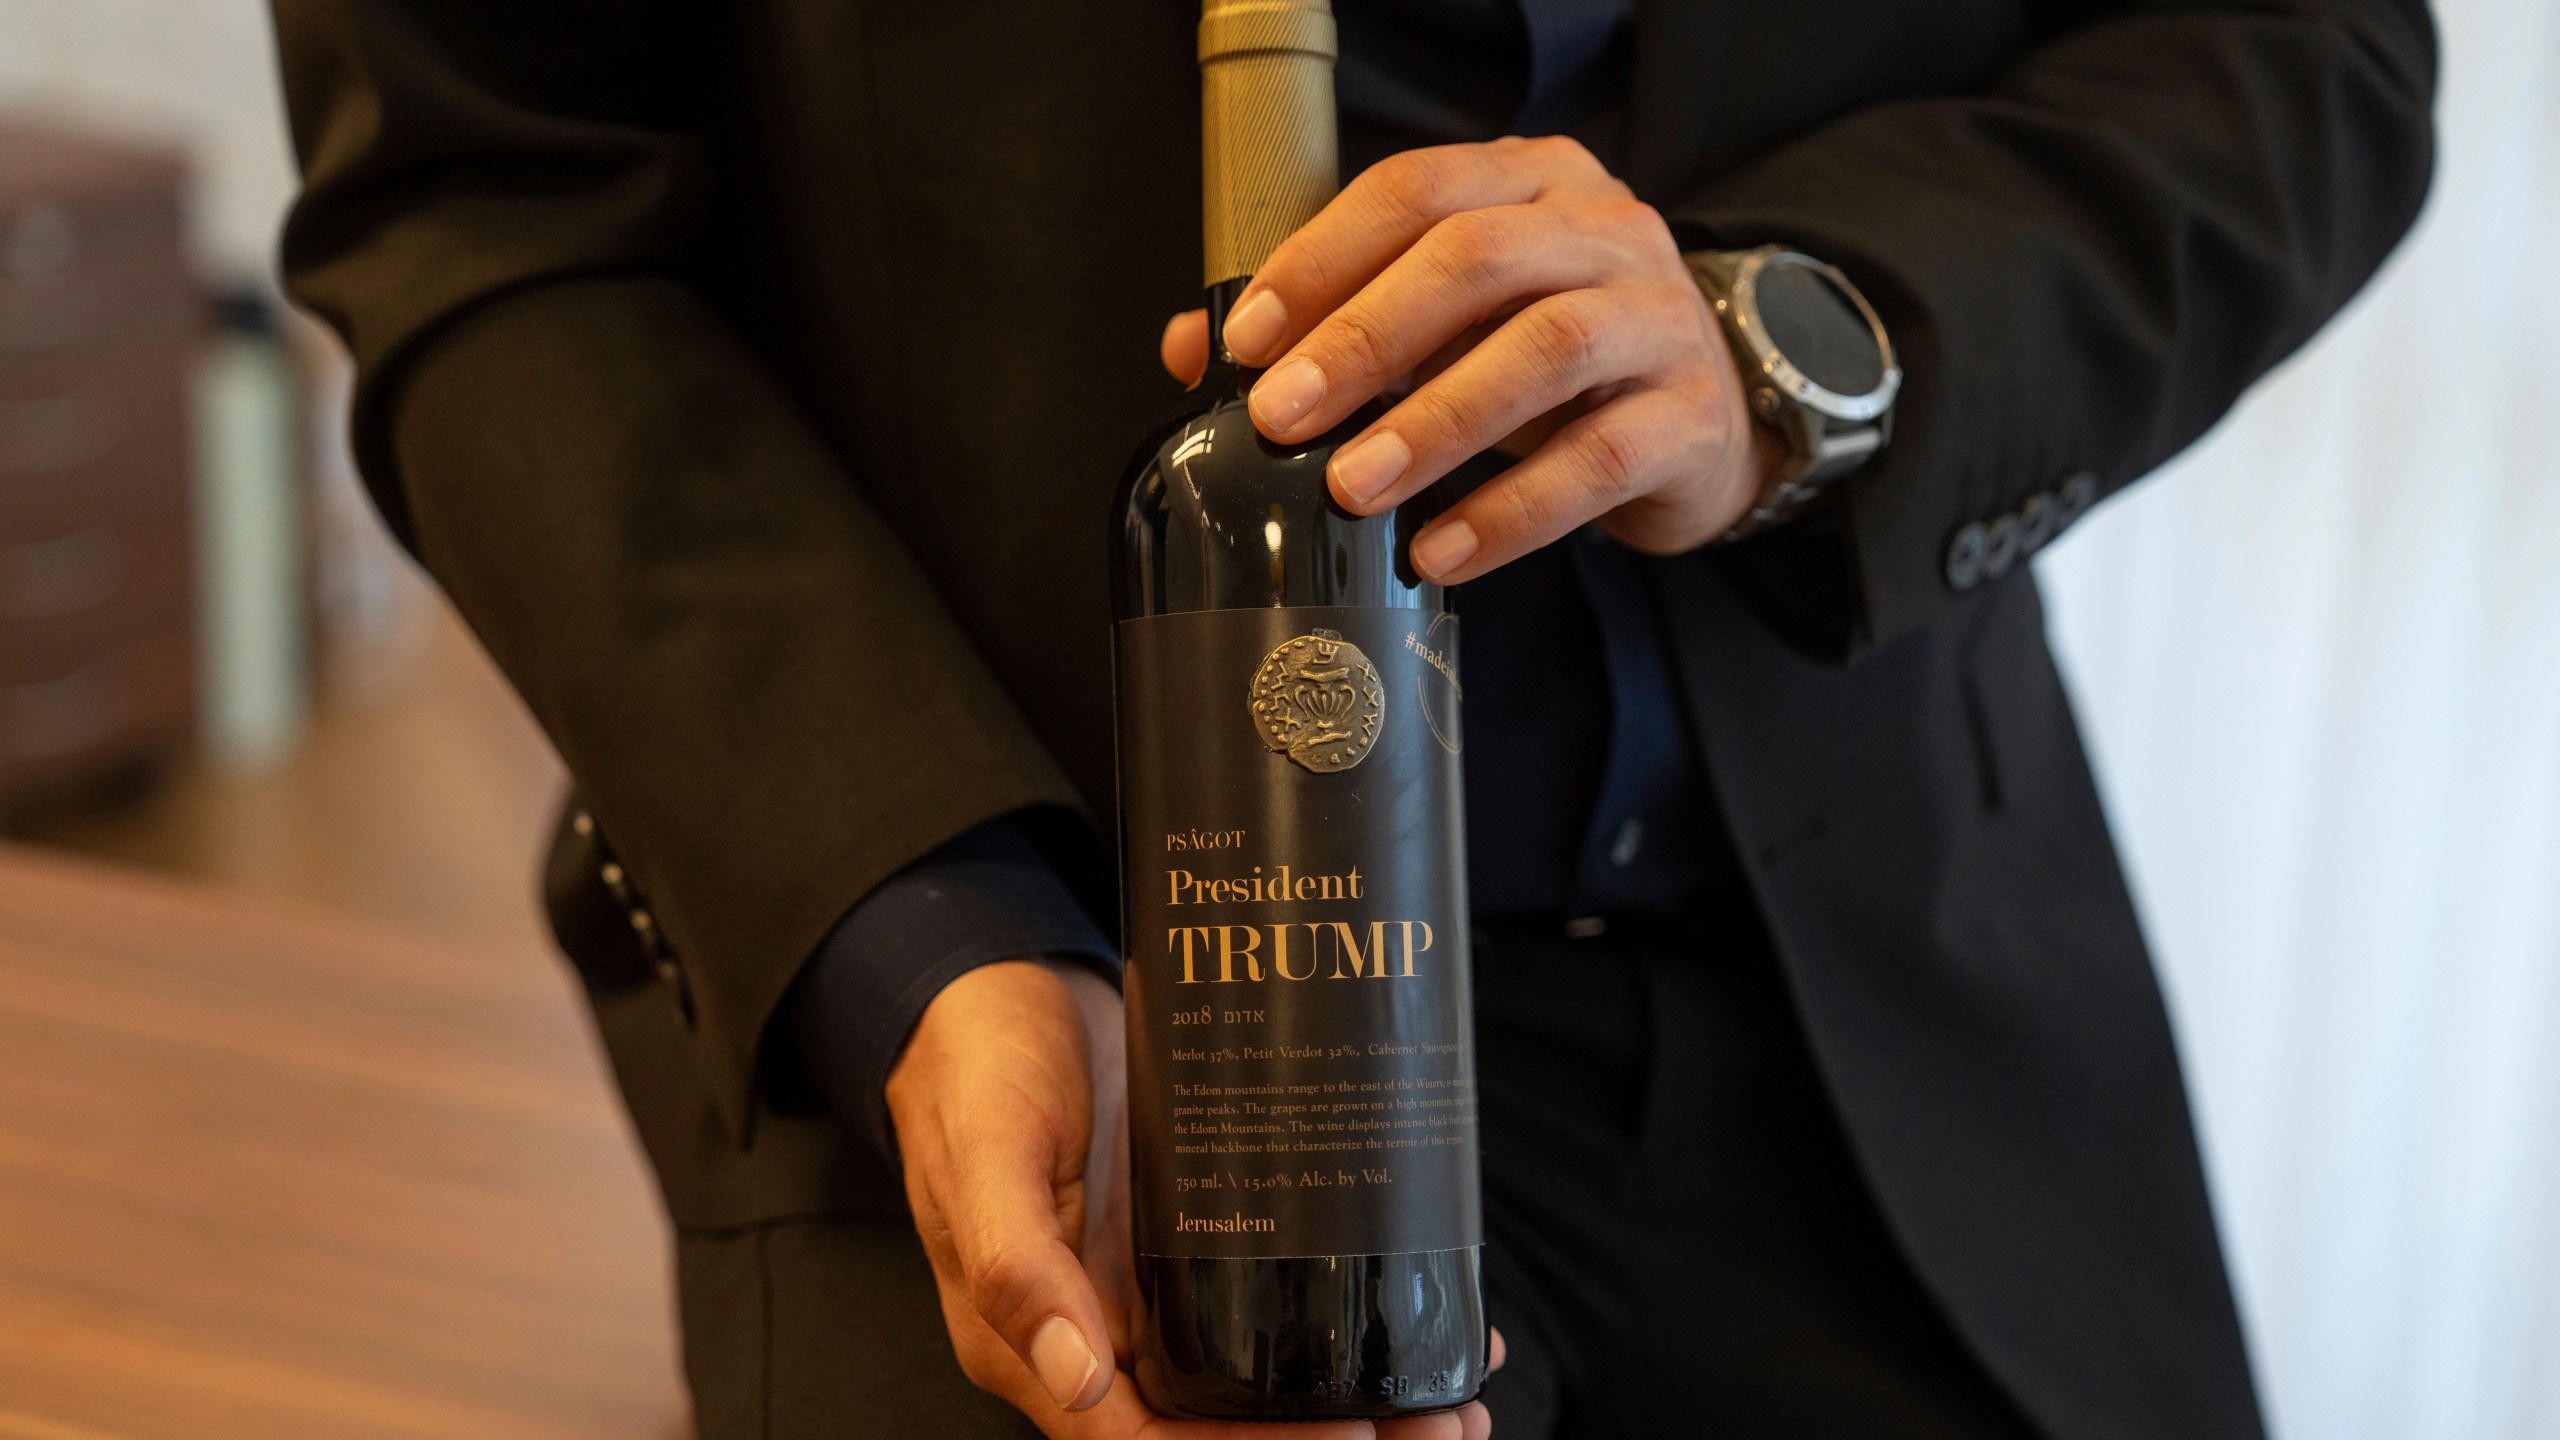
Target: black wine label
(1301,1045)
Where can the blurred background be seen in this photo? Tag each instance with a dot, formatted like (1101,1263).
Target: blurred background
(2318,660)
(313,1142)
(216,661)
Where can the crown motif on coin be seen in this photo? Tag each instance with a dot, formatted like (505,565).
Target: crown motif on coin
(1317,700)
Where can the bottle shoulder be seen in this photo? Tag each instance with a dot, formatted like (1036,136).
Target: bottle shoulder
(1214,515)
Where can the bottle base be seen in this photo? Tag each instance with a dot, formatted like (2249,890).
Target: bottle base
(1164,1404)
(1351,1337)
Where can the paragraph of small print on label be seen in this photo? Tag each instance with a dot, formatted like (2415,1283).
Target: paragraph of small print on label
(1301,1063)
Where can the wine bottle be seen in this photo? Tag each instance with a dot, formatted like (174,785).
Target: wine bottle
(1302,1098)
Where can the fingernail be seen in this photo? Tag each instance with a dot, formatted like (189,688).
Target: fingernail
(1064,1363)
(1444,547)
(1287,393)
(1371,464)
(1254,326)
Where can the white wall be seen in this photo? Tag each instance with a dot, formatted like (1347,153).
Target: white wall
(197,72)
(2319,661)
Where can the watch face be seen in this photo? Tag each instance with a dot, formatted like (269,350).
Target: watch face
(1818,329)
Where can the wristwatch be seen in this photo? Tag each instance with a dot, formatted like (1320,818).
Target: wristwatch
(1817,368)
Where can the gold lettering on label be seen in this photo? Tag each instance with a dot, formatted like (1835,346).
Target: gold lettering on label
(1409,949)
(1355,956)
(1349,944)
(1185,888)
(1229,952)
(1280,952)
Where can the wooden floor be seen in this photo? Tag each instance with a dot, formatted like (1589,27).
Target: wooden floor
(314,1141)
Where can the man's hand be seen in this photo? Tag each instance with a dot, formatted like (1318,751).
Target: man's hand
(1018,1196)
(1537,300)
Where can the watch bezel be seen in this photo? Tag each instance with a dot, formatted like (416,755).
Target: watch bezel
(1781,372)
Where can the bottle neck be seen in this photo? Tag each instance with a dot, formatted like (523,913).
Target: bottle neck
(1269,157)
(1225,371)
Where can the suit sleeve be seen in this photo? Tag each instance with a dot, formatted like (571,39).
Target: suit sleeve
(2082,266)
(765,704)
(989,895)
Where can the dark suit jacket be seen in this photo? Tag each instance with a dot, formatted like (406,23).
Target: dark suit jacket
(755,374)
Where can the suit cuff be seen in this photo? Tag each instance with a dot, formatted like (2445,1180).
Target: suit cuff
(989,895)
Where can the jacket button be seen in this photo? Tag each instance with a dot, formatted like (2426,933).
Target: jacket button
(1964,557)
(680,985)
(2039,520)
(662,957)
(615,881)
(2077,494)
(2000,547)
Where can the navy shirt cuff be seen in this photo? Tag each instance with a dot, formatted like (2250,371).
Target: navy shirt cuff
(987,896)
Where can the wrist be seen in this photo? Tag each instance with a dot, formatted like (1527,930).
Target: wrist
(1818,374)
(988,895)
(1767,461)
(1022,997)
(1041,1004)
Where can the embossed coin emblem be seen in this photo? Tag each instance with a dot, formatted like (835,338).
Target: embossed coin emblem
(1317,700)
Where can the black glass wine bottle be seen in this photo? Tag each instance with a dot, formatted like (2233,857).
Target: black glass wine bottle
(1301,1052)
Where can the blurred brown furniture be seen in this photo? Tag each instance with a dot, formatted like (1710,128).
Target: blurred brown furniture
(262,1175)
(99,323)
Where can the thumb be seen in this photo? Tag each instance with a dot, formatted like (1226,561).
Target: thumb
(1023,1278)
(1185,346)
